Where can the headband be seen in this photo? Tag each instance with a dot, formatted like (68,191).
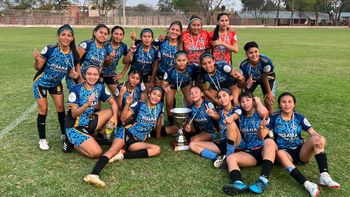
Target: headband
(227,91)
(146,30)
(181,52)
(65,27)
(206,54)
(193,19)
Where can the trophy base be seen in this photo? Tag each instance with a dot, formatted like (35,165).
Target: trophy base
(179,146)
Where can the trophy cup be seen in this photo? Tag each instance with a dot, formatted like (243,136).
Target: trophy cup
(180,115)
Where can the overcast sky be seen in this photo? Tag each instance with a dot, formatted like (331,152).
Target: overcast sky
(236,4)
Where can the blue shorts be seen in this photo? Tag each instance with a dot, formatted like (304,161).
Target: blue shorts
(41,92)
(76,136)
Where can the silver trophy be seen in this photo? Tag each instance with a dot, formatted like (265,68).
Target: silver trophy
(180,115)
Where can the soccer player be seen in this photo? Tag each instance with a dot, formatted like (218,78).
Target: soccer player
(287,125)
(93,51)
(82,123)
(255,151)
(145,58)
(52,64)
(176,79)
(259,70)
(168,48)
(139,119)
(223,41)
(132,86)
(219,75)
(116,49)
(229,133)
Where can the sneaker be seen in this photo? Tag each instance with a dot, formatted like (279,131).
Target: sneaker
(326,180)
(94,180)
(118,157)
(43,144)
(219,161)
(67,146)
(312,188)
(259,185)
(237,187)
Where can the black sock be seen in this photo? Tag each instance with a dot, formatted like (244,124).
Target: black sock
(41,126)
(266,168)
(235,175)
(61,119)
(101,163)
(296,174)
(171,120)
(163,131)
(136,154)
(321,159)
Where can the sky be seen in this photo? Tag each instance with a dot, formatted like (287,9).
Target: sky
(236,4)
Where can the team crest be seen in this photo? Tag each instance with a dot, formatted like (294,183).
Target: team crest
(58,88)
(72,97)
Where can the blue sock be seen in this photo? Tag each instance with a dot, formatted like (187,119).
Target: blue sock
(230,148)
(208,154)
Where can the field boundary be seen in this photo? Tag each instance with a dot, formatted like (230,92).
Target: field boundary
(18,120)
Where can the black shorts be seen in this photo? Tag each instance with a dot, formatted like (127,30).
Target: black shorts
(129,140)
(184,84)
(256,153)
(90,128)
(272,82)
(146,77)
(41,92)
(222,146)
(108,80)
(160,75)
(295,154)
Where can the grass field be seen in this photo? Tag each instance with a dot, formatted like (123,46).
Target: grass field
(311,63)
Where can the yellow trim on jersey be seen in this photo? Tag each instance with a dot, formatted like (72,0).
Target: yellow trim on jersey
(76,122)
(36,79)
(264,59)
(129,125)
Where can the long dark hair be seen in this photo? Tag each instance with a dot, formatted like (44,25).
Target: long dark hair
(217,28)
(99,26)
(192,18)
(179,39)
(72,46)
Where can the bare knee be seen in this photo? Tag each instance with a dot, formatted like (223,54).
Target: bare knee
(270,143)
(154,151)
(193,145)
(94,154)
(42,110)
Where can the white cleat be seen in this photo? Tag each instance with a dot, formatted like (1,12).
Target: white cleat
(326,180)
(117,157)
(43,144)
(94,180)
(312,188)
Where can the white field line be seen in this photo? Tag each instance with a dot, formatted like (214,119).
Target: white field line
(18,120)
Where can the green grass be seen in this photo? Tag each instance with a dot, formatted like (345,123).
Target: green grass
(311,63)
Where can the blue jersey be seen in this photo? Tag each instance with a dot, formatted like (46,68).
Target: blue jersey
(167,53)
(55,68)
(249,127)
(70,82)
(145,117)
(143,61)
(222,125)
(221,78)
(79,96)
(264,66)
(180,78)
(94,55)
(200,117)
(139,89)
(287,134)
(122,50)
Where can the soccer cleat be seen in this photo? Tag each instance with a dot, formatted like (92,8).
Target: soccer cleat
(118,157)
(237,187)
(94,180)
(67,146)
(259,185)
(312,188)
(219,161)
(326,180)
(43,144)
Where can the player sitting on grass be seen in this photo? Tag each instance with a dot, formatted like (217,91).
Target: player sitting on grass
(287,126)
(255,150)
(139,119)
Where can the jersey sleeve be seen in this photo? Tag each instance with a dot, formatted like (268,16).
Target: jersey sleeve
(271,122)
(73,98)
(238,111)
(84,45)
(233,37)
(157,55)
(125,49)
(46,52)
(117,90)
(267,65)
(105,94)
(225,67)
(167,75)
(305,124)
(135,107)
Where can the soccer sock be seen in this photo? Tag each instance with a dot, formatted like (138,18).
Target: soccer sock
(61,119)
(163,131)
(171,120)
(235,175)
(266,168)
(230,147)
(321,159)
(208,154)
(101,163)
(41,126)
(296,174)
(143,153)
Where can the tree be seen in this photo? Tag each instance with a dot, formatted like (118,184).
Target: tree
(165,5)
(104,5)
(5,4)
(256,6)
(186,6)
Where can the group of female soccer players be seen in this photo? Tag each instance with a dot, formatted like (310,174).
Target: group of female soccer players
(227,123)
